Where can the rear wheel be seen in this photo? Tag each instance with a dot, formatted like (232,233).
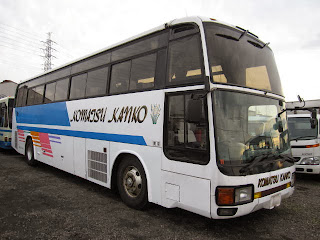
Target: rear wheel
(30,153)
(132,183)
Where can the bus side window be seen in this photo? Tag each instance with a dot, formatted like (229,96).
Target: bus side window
(185,141)
(5,115)
(24,96)
(31,95)
(143,72)
(97,82)
(2,115)
(38,97)
(93,62)
(78,86)
(61,92)
(185,61)
(120,75)
(10,110)
(49,94)
(19,97)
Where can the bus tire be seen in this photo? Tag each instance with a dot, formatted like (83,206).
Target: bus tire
(132,183)
(30,153)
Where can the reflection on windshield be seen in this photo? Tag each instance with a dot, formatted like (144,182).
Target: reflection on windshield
(300,128)
(240,59)
(247,126)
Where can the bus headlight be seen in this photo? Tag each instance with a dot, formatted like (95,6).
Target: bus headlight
(310,161)
(230,196)
(243,195)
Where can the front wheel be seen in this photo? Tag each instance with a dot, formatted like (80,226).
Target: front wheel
(30,153)
(132,183)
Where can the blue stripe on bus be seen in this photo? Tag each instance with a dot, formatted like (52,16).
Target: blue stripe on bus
(139,140)
(5,130)
(48,114)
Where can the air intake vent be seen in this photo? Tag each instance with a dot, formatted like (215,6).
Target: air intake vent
(97,166)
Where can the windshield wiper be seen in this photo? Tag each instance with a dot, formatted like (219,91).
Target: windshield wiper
(257,159)
(287,158)
(302,137)
(254,161)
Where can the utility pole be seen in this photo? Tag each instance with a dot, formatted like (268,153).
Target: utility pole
(47,50)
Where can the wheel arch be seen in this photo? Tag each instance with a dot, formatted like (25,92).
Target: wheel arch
(28,138)
(114,169)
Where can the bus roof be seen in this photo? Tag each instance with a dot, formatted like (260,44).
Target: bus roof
(195,19)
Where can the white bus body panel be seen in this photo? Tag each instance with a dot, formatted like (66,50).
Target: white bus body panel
(69,148)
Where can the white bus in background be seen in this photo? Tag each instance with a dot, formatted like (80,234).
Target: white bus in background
(6,107)
(166,118)
(304,135)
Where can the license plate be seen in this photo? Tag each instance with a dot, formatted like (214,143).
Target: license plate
(275,201)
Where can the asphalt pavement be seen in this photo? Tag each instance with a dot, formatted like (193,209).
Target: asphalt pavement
(46,203)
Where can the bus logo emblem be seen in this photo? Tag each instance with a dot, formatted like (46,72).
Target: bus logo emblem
(155,112)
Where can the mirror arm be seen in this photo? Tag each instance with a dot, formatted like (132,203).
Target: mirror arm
(284,110)
(206,89)
(207,83)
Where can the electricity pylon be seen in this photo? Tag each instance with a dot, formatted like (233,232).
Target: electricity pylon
(47,50)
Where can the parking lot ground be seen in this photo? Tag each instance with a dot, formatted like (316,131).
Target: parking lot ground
(46,203)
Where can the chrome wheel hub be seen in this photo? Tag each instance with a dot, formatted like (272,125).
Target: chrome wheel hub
(132,181)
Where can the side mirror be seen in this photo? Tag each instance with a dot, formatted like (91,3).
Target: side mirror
(313,119)
(278,125)
(194,110)
(314,123)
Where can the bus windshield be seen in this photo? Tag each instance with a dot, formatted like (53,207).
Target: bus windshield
(300,129)
(246,127)
(238,58)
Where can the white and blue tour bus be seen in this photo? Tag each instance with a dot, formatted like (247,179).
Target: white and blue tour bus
(188,115)
(6,108)
(304,134)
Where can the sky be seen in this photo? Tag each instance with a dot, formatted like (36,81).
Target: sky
(81,27)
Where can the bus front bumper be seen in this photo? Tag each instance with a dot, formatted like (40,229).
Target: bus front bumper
(310,169)
(268,202)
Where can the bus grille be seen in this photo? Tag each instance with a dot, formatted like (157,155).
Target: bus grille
(97,165)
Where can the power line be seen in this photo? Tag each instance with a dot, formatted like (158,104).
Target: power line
(1,44)
(14,44)
(19,63)
(20,56)
(18,35)
(23,41)
(25,58)
(14,38)
(66,51)
(17,66)
(33,60)
(18,31)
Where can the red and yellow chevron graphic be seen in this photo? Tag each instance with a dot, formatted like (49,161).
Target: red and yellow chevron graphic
(42,140)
